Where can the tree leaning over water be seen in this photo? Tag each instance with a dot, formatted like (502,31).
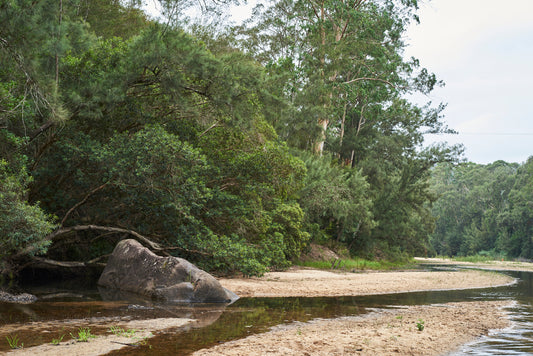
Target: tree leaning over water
(159,137)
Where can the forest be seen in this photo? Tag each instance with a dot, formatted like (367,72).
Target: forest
(233,145)
(484,210)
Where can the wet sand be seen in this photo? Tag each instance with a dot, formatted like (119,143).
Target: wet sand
(104,343)
(385,332)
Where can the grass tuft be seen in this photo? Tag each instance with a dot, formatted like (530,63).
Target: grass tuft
(121,332)
(14,341)
(58,340)
(420,325)
(84,334)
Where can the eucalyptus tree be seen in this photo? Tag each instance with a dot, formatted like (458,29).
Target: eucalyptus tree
(338,71)
(341,55)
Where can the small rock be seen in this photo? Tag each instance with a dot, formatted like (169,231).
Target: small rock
(24,298)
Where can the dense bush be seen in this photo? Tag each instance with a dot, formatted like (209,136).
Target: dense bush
(484,210)
(23,227)
(183,135)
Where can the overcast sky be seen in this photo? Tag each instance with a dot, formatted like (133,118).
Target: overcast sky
(483,51)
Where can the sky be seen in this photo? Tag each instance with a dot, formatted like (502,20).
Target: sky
(483,51)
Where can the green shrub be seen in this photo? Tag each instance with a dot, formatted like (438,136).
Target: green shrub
(23,227)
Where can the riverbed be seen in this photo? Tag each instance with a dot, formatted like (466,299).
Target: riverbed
(391,308)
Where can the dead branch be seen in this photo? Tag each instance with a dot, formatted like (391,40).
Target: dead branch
(67,264)
(216,124)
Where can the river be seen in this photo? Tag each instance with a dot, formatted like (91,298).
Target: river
(68,310)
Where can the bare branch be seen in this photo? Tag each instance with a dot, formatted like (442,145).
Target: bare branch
(372,79)
(67,264)
(145,240)
(152,245)
(82,202)
(216,124)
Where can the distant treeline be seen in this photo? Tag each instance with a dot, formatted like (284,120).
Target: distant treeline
(484,209)
(231,146)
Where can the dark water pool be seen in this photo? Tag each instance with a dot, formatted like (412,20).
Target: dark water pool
(64,313)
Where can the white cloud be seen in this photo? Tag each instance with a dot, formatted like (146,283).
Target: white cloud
(482,49)
(450,27)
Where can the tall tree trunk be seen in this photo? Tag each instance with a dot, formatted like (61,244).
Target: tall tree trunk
(58,39)
(322,121)
(340,31)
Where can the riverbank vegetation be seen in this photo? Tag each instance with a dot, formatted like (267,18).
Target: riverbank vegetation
(358,264)
(231,146)
(484,210)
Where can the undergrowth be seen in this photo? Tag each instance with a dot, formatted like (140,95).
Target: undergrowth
(475,258)
(352,264)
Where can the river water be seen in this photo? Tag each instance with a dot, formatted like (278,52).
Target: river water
(65,310)
(518,339)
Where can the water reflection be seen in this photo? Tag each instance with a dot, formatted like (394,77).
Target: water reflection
(63,314)
(518,339)
(253,315)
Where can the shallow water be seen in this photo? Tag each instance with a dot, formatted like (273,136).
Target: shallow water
(217,323)
(518,339)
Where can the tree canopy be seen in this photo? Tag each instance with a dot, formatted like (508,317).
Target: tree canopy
(484,209)
(233,147)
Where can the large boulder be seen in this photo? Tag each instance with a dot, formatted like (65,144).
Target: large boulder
(135,269)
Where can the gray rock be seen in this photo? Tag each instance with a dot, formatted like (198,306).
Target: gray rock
(24,298)
(135,269)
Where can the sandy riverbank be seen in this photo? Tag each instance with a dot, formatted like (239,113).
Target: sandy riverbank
(317,283)
(490,265)
(383,332)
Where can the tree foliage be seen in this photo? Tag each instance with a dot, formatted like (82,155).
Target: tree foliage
(337,69)
(24,228)
(199,140)
(483,209)
(336,201)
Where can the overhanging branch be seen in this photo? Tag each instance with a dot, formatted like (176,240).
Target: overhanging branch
(67,264)
(153,245)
